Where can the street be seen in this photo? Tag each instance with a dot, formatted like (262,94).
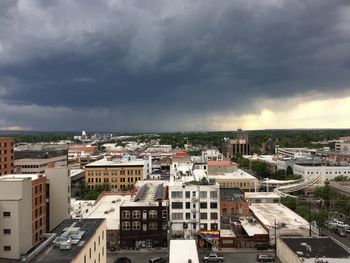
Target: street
(143,257)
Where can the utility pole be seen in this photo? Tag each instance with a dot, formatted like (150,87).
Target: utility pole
(309,217)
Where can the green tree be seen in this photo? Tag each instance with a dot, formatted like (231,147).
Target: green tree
(260,168)
(342,205)
(290,202)
(303,211)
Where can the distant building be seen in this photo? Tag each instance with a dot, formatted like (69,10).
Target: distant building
(144,219)
(212,155)
(6,155)
(119,174)
(312,249)
(262,197)
(88,243)
(36,158)
(31,205)
(238,145)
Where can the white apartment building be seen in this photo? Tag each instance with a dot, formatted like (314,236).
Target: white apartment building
(193,207)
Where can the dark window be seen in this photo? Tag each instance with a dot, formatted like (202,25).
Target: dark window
(203,205)
(176,205)
(7,248)
(188,205)
(188,194)
(213,216)
(7,213)
(7,231)
(213,226)
(214,205)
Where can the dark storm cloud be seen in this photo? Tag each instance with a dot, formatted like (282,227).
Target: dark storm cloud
(170,57)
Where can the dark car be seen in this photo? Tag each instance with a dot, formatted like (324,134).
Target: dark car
(123,260)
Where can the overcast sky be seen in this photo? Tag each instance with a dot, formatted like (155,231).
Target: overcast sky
(153,65)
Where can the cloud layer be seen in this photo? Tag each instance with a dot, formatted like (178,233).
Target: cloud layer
(168,65)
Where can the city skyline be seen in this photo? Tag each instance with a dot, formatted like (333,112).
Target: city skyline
(174,65)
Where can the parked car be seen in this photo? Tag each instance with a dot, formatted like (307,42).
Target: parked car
(213,258)
(123,260)
(265,258)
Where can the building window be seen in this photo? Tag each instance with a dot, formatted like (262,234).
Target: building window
(204,216)
(203,205)
(7,248)
(203,194)
(213,194)
(95,246)
(176,194)
(153,213)
(136,225)
(7,231)
(125,214)
(164,214)
(176,216)
(214,205)
(188,194)
(136,214)
(153,226)
(204,226)
(90,252)
(188,216)
(213,216)
(7,214)
(214,226)
(125,225)
(176,205)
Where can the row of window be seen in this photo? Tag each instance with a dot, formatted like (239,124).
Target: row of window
(5,166)
(202,194)
(202,205)
(136,226)
(5,159)
(5,151)
(136,214)
(203,216)
(113,180)
(113,173)
(237,184)
(4,144)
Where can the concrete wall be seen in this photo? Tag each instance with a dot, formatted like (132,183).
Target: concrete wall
(97,245)
(285,254)
(60,193)
(16,198)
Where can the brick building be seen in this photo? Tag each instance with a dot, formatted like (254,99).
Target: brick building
(6,155)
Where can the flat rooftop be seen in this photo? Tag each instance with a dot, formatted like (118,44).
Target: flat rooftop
(324,248)
(107,207)
(237,175)
(269,212)
(115,163)
(261,195)
(252,227)
(229,194)
(20,176)
(51,254)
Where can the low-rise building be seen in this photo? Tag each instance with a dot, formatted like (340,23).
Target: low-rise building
(239,179)
(232,203)
(312,250)
(280,221)
(144,219)
(118,173)
(78,241)
(212,155)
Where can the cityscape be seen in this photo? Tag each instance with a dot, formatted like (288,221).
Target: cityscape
(185,131)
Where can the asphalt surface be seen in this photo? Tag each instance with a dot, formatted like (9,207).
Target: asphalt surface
(239,257)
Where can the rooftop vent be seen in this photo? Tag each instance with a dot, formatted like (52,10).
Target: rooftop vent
(70,236)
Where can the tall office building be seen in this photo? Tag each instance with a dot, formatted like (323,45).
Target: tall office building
(6,155)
